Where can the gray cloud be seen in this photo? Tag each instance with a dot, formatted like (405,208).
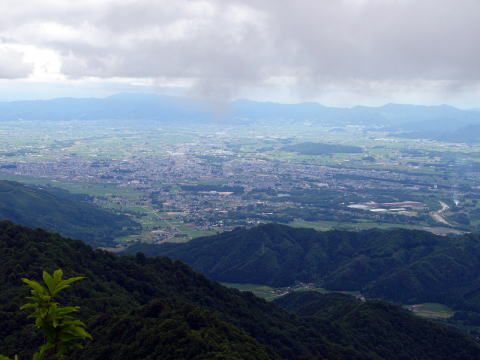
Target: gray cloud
(223,46)
(12,64)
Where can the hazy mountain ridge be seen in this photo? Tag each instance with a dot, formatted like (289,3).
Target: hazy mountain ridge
(151,107)
(138,308)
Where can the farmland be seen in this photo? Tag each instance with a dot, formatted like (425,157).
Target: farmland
(180,183)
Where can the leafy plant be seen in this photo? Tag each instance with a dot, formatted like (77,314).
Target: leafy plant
(61,330)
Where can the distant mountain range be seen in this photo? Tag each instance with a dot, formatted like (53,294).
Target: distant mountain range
(60,211)
(405,266)
(118,107)
(424,121)
(138,308)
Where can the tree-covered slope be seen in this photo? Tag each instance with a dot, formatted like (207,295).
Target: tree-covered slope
(60,211)
(139,308)
(401,265)
(364,325)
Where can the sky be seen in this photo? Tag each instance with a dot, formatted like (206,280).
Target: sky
(337,52)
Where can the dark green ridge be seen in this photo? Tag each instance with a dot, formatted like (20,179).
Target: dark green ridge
(60,211)
(141,308)
(404,266)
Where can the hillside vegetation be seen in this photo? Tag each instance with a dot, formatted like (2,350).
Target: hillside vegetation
(405,266)
(140,308)
(350,318)
(60,211)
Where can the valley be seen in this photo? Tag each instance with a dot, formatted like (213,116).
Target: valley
(171,184)
(432,311)
(182,182)
(239,180)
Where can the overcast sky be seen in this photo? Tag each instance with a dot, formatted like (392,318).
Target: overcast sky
(339,52)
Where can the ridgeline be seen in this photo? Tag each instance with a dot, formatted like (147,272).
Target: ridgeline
(151,308)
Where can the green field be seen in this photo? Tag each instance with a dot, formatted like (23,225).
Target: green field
(426,310)
(431,310)
(266,292)
(270,293)
(204,150)
(330,225)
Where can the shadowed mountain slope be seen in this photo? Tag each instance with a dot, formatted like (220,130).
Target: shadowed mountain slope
(139,308)
(60,211)
(405,266)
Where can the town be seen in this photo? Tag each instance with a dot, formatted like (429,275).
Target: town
(179,185)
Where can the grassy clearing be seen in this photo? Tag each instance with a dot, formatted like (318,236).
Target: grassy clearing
(431,310)
(330,225)
(426,310)
(266,292)
(270,293)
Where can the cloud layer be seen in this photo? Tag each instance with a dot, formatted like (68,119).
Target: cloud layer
(12,64)
(222,47)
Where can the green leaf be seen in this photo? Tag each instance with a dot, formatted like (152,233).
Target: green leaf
(36,287)
(74,323)
(79,332)
(58,275)
(64,312)
(26,307)
(63,284)
(61,330)
(48,280)
(40,354)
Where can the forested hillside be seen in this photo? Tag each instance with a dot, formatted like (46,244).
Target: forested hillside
(405,266)
(364,323)
(140,308)
(60,211)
